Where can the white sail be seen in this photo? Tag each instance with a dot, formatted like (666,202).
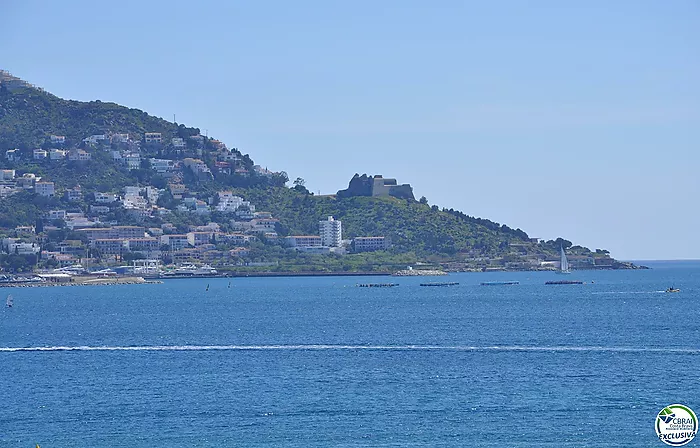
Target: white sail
(9,301)
(564,261)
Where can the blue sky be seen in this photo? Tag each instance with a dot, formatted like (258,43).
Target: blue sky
(572,119)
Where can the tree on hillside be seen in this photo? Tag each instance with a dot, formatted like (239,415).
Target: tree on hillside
(300,186)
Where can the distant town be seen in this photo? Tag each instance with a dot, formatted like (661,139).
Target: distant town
(111,244)
(159,198)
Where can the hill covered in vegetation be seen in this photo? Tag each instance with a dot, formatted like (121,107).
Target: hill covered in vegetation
(28,117)
(417,231)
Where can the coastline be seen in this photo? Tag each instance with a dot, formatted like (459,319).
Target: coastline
(132,279)
(280,274)
(85,281)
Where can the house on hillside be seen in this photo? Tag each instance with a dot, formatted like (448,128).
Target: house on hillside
(74,194)
(28,180)
(105,198)
(153,138)
(13,155)
(79,155)
(57,154)
(95,139)
(178,143)
(45,189)
(119,138)
(7,175)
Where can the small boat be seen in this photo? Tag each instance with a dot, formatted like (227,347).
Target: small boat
(564,263)
(9,301)
(191,270)
(672,289)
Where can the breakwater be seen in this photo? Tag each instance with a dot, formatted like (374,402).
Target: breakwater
(85,281)
(418,272)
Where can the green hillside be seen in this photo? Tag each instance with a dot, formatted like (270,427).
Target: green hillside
(28,117)
(411,225)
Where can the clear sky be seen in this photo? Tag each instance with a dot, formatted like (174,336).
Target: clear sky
(573,119)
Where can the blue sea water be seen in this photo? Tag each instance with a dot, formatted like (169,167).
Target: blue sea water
(318,362)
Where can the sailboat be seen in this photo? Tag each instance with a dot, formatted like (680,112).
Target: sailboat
(9,301)
(564,265)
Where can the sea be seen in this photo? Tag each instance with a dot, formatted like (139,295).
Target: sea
(320,362)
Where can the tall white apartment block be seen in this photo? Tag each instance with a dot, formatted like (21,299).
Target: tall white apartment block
(331,232)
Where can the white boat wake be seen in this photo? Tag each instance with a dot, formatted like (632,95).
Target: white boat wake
(314,347)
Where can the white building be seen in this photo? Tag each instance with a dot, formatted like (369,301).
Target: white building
(23,248)
(105,198)
(40,154)
(133,161)
(152,194)
(331,232)
(79,155)
(94,139)
(79,222)
(57,214)
(132,190)
(57,154)
(27,180)
(13,154)
(196,165)
(162,166)
(7,175)
(318,250)
(201,208)
(211,227)
(299,241)
(134,201)
(371,243)
(178,143)
(44,189)
(228,156)
(74,194)
(175,242)
(119,138)
(177,190)
(58,139)
(228,203)
(153,137)
(99,209)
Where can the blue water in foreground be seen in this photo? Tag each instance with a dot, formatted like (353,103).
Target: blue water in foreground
(318,362)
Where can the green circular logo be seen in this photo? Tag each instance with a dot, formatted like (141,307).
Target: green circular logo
(676,425)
